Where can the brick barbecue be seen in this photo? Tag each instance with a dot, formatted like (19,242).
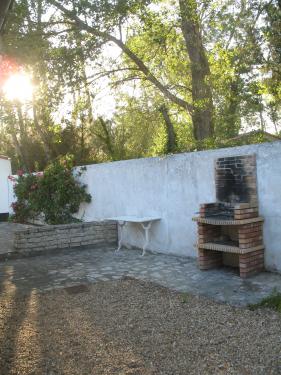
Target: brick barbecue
(230,230)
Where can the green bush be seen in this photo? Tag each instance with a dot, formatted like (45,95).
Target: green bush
(57,194)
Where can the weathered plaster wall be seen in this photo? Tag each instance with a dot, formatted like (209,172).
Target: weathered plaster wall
(5,171)
(173,187)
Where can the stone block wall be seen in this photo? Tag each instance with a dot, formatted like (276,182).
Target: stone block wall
(45,238)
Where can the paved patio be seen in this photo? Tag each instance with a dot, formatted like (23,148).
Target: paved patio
(89,266)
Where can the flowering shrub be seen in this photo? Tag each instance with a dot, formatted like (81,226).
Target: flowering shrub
(57,194)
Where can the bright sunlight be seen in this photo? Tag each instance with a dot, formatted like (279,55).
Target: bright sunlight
(18,87)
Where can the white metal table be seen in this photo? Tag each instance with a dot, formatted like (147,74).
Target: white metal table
(145,222)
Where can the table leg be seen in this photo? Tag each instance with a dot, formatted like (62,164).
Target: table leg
(121,225)
(146,228)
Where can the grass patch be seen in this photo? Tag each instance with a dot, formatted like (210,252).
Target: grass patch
(272,302)
(184,298)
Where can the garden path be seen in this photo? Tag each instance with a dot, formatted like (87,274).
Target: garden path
(89,266)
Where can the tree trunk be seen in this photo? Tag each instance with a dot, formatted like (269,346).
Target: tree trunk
(21,122)
(82,139)
(18,148)
(202,114)
(171,143)
(48,152)
(107,139)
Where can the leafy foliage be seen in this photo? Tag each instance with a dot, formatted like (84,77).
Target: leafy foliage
(70,68)
(56,194)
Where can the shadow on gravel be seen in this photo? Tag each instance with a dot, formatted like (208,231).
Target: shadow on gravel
(12,317)
(130,327)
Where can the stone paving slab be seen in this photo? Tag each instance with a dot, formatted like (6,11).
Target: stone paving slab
(180,273)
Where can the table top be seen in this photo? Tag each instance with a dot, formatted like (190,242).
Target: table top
(134,219)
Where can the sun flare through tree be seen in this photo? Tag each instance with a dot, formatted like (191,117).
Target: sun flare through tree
(18,87)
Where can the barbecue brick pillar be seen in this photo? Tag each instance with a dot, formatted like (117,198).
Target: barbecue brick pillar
(208,259)
(251,263)
(250,236)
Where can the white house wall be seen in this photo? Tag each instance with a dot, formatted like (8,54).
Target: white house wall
(5,171)
(172,187)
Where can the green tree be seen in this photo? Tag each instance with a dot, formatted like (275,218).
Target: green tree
(110,14)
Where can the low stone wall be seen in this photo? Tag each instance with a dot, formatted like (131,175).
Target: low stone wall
(46,238)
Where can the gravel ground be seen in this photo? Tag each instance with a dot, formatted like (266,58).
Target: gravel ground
(132,327)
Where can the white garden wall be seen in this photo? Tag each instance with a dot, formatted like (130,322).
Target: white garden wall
(173,187)
(5,171)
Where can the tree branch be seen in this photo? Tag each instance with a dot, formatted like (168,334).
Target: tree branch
(259,13)
(126,79)
(140,64)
